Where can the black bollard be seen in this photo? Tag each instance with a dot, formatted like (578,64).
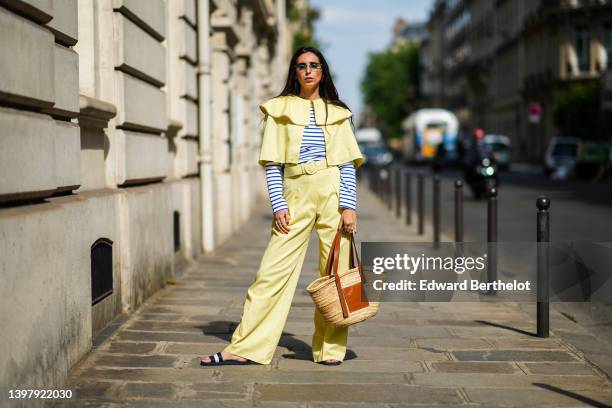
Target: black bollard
(543,239)
(492,237)
(383,180)
(379,182)
(458,211)
(389,197)
(421,202)
(436,212)
(408,197)
(398,191)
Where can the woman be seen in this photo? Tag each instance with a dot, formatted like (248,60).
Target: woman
(310,155)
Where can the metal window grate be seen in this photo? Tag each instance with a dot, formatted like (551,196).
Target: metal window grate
(101,269)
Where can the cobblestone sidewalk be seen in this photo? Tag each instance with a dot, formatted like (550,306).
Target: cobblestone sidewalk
(425,354)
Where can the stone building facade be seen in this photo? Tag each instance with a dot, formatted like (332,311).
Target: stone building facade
(129,144)
(500,56)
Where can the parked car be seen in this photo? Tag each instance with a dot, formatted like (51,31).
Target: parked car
(368,137)
(377,154)
(497,148)
(560,156)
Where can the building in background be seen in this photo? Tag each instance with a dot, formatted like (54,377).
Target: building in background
(129,145)
(403,32)
(493,61)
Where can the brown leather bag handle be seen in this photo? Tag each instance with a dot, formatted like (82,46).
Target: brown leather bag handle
(332,265)
(353,254)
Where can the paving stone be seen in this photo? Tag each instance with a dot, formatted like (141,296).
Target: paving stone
(229,315)
(487,332)
(88,389)
(131,347)
(402,331)
(206,327)
(452,344)
(328,404)
(310,377)
(180,310)
(560,368)
(513,355)
(603,361)
(235,387)
(479,380)
(536,397)
(389,319)
(357,365)
(362,393)
(202,374)
(404,354)
(453,322)
(211,306)
(146,390)
(125,360)
(517,343)
(475,367)
(160,310)
(162,403)
(176,337)
(584,342)
(161,317)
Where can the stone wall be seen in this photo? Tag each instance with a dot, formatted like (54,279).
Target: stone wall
(122,126)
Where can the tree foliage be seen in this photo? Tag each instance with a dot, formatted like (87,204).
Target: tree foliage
(390,86)
(305,17)
(576,110)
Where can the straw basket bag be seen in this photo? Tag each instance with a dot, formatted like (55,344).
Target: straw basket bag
(338,295)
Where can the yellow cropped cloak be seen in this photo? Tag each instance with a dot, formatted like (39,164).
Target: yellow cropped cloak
(286,117)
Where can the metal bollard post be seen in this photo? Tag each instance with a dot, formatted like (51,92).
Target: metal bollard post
(421,202)
(492,237)
(380,185)
(458,211)
(379,181)
(389,197)
(398,191)
(543,239)
(408,197)
(436,212)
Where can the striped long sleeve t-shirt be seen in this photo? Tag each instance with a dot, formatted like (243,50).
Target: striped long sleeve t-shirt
(312,148)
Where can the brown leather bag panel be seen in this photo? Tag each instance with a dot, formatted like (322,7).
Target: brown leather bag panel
(352,295)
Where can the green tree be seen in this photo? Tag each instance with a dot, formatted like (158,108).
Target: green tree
(390,86)
(304,18)
(576,110)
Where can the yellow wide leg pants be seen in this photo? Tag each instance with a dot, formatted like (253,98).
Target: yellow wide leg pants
(313,202)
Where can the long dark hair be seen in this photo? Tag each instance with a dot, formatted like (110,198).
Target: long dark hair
(327,89)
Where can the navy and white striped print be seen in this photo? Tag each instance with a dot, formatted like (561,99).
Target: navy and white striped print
(312,148)
(274,178)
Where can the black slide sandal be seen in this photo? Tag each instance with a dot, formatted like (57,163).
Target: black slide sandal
(217,360)
(329,363)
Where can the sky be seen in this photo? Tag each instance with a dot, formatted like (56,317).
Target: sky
(349,29)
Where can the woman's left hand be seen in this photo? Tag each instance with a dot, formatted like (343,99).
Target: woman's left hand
(349,220)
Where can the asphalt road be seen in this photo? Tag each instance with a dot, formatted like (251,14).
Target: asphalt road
(580,211)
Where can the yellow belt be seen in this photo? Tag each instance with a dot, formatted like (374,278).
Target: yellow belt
(310,167)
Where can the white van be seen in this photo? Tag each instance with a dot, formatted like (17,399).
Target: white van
(425,130)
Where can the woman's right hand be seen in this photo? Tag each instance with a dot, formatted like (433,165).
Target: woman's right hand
(282,220)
